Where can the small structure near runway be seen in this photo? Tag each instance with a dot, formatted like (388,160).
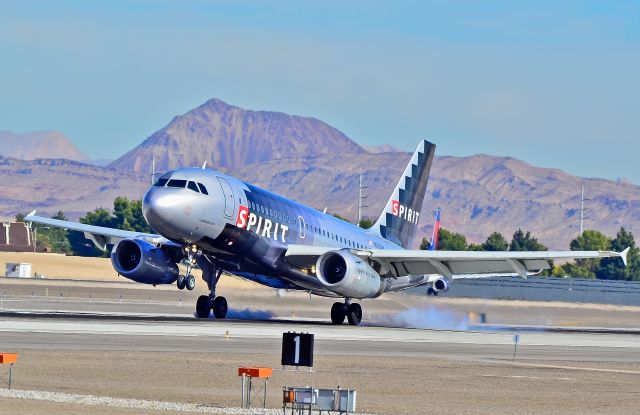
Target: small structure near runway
(308,400)
(8,359)
(18,270)
(247,374)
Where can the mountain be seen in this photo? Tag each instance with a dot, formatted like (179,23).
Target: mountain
(307,160)
(38,144)
(229,137)
(384,148)
(478,195)
(50,185)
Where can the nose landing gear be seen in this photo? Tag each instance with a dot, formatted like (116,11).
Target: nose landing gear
(352,311)
(188,281)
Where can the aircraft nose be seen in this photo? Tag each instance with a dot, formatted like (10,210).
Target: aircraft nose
(159,208)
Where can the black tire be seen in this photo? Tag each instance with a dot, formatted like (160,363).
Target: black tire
(354,314)
(181,282)
(190,282)
(220,307)
(203,306)
(338,313)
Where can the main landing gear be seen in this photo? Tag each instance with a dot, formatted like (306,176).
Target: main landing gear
(352,311)
(206,303)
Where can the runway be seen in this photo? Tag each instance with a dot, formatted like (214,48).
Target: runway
(117,341)
(127,332)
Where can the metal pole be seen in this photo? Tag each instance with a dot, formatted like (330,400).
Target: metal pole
(243,390)
(360,201)
(249,392)
(264,400)
(10,374)
(581,211)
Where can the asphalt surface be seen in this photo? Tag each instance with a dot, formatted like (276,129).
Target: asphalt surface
(71,315)
(110,339)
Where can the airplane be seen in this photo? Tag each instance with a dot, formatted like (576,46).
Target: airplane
(218,223)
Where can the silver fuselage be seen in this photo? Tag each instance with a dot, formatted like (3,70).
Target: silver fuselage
(246,230)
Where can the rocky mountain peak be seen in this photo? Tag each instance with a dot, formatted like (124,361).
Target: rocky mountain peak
(228,137)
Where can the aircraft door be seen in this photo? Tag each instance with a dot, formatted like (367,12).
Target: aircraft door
(303,228)
(229,202)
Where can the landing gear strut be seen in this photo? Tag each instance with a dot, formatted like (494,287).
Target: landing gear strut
(188,281)
(352,311)
(211,274)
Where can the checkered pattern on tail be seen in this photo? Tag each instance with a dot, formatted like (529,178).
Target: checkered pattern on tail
(399,219)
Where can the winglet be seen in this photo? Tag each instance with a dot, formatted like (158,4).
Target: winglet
(623,255)
(30,214)
(204,165)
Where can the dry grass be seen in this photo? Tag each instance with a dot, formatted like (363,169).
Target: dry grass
(57,266)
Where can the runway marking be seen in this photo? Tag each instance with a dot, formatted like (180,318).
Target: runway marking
(524,377)
(587,369)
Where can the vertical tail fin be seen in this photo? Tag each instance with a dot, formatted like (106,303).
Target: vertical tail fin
(399,219)
(436,230)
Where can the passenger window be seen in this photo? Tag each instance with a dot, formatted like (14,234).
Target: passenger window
(193,186)
(161,182)
(177,183)
(203,189)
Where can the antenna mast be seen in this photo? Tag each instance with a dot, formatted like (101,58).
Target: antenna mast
(581,211)
(360,198)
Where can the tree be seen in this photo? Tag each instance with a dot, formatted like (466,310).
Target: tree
(525,242)
(613,268)
(127,215)
(449,241)
(495,242)
(366,223)
(20,217)
(52,237)
(590,240)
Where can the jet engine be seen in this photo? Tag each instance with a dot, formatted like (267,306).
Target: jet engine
(440,285)
(347,275)
(143,262)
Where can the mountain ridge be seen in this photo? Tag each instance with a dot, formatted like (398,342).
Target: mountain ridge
(478,194)
(38,144)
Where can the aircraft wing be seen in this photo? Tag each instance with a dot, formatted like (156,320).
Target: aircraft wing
(455,264)
(99,235)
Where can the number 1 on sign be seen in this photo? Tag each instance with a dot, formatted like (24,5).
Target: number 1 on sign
(296,358)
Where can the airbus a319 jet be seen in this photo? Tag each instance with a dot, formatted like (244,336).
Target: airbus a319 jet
(218,223)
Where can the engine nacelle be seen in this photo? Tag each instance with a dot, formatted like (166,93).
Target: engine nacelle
(143,262)
(440,285)
(347,275)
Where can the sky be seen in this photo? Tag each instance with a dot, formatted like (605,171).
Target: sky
(554,83)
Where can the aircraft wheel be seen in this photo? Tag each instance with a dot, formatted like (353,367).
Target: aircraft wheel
(203,306)
(354,314)
(220,307)
(190,282)
(181,282)
(338,313)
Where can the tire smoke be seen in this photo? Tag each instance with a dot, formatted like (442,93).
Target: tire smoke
(425,318)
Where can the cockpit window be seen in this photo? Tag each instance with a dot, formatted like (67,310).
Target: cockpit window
(193,186)
(161,182)
(203,189)
(177,183)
